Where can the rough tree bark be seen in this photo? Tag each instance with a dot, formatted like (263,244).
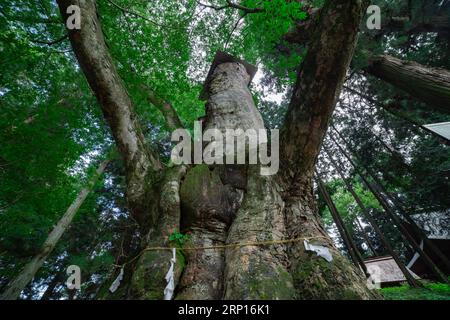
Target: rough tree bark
(16,286)
(225,204)
(319,82)
(142,164)
(431,85)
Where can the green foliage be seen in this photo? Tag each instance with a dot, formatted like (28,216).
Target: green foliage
(354,219)
(179,238)
(431,291)
(49,124)
(261,39)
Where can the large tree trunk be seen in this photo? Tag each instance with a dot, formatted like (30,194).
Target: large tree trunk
(233,207)
(318,86)
(16,286)
(431,85)
(142,164)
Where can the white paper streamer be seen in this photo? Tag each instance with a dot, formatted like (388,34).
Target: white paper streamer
(168,291)
(116,282)
(415,257)
(321,251)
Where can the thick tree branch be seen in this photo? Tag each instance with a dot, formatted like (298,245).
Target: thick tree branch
(318,85)
(168,111)
(96,62)
(431,85)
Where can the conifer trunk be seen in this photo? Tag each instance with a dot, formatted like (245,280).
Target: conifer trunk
(16,286)
(430,85)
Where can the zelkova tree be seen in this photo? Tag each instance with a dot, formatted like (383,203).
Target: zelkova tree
(225,205)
